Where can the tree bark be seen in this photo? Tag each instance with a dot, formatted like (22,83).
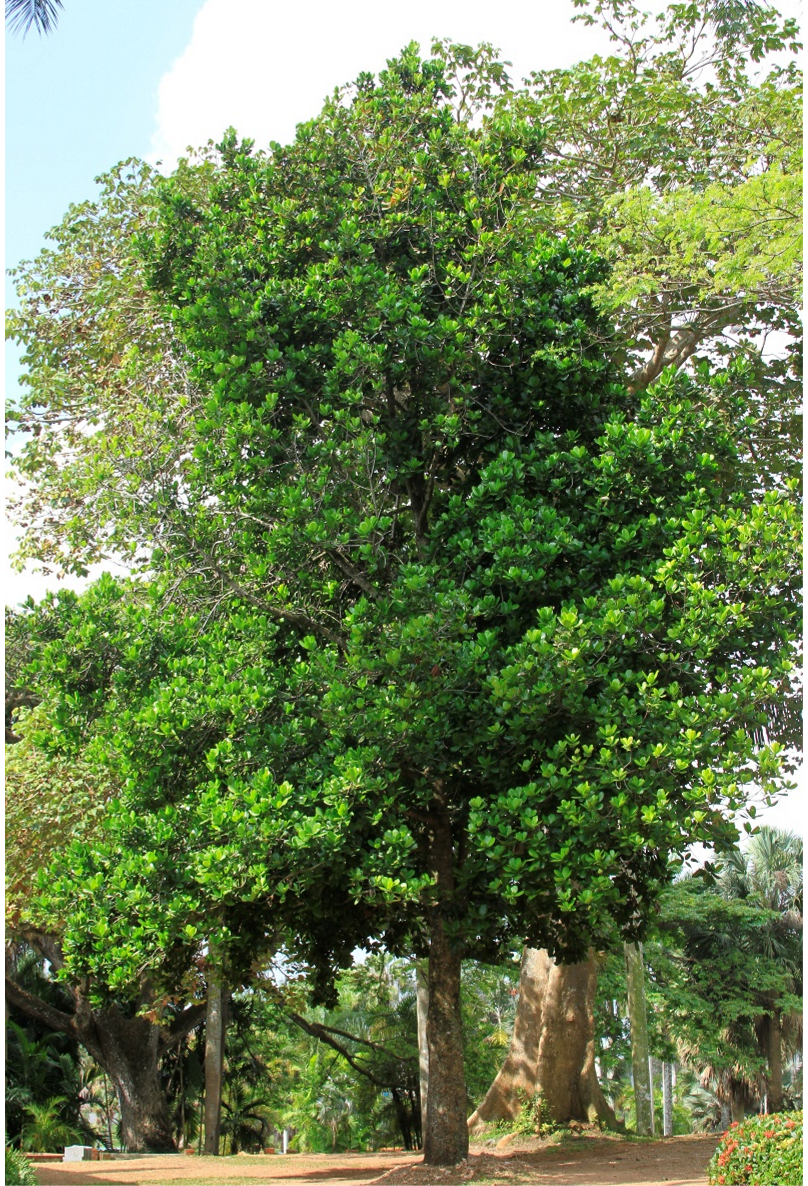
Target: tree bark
(552,1051)
(635,980)
(422,1011)
(737,1100)
(130,1053)
(774,1056)
(128,1049)
(726,1115)
(214,1063)
(446,1139)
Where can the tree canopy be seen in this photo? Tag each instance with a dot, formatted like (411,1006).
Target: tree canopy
(453,632)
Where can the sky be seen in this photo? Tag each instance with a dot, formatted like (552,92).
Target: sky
(150,78)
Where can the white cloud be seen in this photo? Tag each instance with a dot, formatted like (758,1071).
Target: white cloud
(263,68)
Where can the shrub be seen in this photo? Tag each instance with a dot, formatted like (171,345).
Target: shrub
(762,1151)
(19,1171)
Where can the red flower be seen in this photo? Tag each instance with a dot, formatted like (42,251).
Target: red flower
(769,1132)
(790,1124)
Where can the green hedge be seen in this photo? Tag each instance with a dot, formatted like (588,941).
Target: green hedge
(762,1151)
(19,1171)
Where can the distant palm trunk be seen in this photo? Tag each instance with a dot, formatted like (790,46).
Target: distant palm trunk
(635,979)
(422,1009)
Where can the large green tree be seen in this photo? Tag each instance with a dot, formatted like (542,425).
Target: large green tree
(518,623)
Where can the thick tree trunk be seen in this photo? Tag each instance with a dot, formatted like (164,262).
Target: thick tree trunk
(130,1054)
(552,1051)
(774,1056)
(422,1011)
(635,980)
(446,1138)
(214,1063)
(128,1049)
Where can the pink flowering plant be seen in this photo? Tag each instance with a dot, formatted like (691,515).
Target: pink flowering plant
(764,1150)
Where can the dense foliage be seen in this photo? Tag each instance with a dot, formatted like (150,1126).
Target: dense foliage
(18,1169)
(520,609)
(450,629)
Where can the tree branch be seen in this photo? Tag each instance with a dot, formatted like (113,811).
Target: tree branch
(186,1021)
(324,1034)
(355,575)
(293,617)
(53,1018)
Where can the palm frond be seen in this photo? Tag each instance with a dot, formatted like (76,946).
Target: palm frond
(23,15)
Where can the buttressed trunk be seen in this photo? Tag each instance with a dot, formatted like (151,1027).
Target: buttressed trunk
(552,1051)
(446,1139)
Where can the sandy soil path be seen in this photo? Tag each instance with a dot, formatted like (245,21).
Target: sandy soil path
(584,1161)
(343,1169)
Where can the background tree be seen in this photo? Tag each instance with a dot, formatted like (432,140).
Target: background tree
(48,796)
(686,173)
(717,965)
(43,1067)
(768,873)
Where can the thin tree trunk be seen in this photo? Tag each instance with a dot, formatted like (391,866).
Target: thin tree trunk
(737,1100)
(667,1099)
(635,979)
(214,1063)
(446,1139)
(726,1116)
(404,1118)
(552,1051)
(422,1011)
(774,1055)
(181,1141)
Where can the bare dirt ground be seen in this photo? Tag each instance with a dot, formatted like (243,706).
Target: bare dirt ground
(601,1160)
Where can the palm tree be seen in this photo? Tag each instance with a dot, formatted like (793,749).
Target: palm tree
(46,1129)
(23,15)
(245,1119)
(768,872)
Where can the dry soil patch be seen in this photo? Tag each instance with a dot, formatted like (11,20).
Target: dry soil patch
(343,1169)
(583,1161)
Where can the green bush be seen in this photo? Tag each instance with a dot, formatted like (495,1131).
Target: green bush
(19,1171)
(762,1151)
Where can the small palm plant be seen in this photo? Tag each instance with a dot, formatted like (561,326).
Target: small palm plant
(46,1130)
